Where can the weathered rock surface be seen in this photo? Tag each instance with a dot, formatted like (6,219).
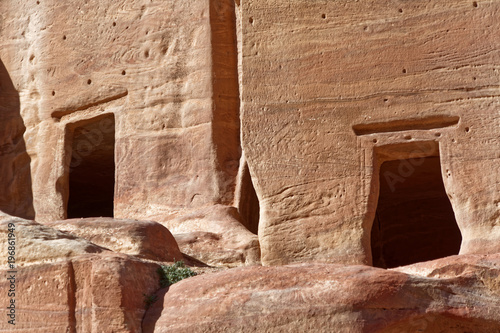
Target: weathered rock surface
(166,73)
(131,109)
(454,294)
(37,243)
(64,283)
(98,293)
(15,180)
(142,239)
(331,89)
(215,236)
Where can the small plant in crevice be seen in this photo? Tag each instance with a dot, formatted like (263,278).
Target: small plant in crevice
(170,274)
(149,300)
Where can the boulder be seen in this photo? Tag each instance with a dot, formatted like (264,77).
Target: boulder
(216,236)
(95,293)
(59,282)
(318,297)
(143,239)
(37,243)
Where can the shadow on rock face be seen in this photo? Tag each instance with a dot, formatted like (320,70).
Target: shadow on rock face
(154,313)
(15,176)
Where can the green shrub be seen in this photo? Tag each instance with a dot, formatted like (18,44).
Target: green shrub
(149,300)
(174,273)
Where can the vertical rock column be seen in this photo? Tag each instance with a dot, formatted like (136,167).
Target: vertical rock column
(15,179)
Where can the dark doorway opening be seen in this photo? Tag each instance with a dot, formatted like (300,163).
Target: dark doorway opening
(414,221)
(92,169)
(249,208)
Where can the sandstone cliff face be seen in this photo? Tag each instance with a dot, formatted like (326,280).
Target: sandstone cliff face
(332,89)
(157,81)
(314,138)
(16,198)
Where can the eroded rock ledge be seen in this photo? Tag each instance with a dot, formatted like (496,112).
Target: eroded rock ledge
(454,294)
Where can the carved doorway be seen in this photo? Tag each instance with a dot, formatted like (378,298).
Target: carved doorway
(92,168)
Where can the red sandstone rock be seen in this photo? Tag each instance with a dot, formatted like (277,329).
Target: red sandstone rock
(100,293)
(335,298)
(142,239)
(332,89)
(139,100)
(67,284)
(15,180)
(216,236)
(37,243)
(163,76)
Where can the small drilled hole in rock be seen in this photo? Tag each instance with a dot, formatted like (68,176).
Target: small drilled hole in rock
(146,54)
(32,57)
(323,16)
(89,81)
(438,134)
(114,24)
(474,78)
(404,70)
(64,37)
(250,20)
(400,10)
(38,2)
(408,137)
(375,140)
(467,129)
(124,72)
(386,100)
(53,93)
(474,4)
